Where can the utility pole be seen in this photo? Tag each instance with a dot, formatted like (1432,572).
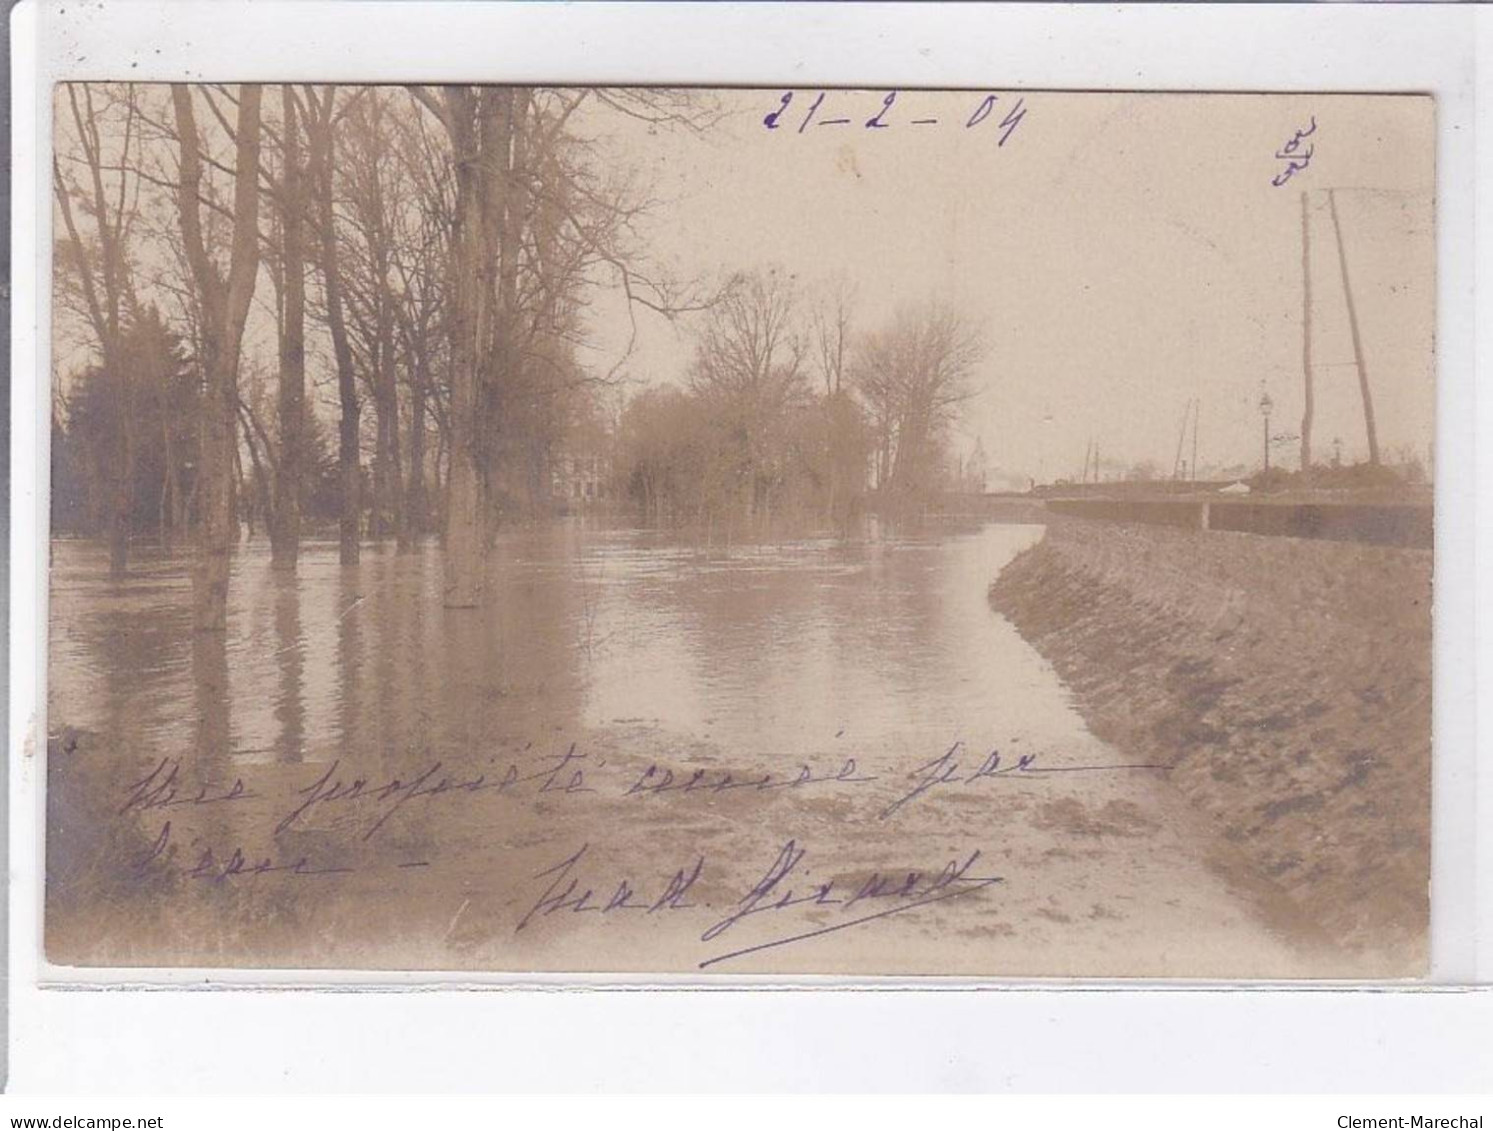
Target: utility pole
(1363,376)
(1181,439)
(1266,405)
(1197,408)
(1306,341)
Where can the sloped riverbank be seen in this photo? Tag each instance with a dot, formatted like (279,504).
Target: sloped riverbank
(1287,682)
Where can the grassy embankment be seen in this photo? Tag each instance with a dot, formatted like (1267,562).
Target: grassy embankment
(1289,684)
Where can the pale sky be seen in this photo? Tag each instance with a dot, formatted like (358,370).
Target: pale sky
(1123,253)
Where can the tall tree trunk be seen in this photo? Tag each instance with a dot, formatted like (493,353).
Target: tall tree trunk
(285,527)
(389,473)
(500,144)
(485,128)
(323,149)
(414,498)
(105,299)
(225,307)
(416,338)
(469,312)
(166,510)
(388,502)
(121,491)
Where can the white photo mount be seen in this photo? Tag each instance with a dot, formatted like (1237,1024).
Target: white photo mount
(800,47)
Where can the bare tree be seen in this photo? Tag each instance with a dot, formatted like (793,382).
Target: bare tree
(224,303)
(322,117)
(749,369)
(109,201)
(504,143)
(471,297)
(420,257)
(372,187)
(290,471)
(913,375)
(843,427)
(832,318)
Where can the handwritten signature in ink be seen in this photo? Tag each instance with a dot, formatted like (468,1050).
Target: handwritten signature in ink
(572,891)
(889,894)
(568,892)
(1296,158)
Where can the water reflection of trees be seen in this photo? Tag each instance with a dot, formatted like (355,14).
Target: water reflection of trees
(125,652)
(364,664)
(364,656)
(290,707)
(213,740)
(417,681)
(786,645)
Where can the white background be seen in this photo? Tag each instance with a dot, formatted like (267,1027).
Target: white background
(1094,1038)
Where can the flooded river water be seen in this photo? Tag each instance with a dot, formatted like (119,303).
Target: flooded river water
(770,651)
(624,714)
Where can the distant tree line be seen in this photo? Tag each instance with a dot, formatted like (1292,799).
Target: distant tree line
(788,411)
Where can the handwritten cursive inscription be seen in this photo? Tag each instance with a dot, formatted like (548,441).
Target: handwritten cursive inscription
(771,896)
(567,892)
(235,862)
(162,789)
(565,776)
(945,770)
(1294,155)
(792,901)
(656,780)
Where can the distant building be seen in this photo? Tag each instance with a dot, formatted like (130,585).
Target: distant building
(581,465)
(580,477)
(971,473)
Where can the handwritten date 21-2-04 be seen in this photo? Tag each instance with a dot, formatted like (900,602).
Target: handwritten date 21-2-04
(797,111)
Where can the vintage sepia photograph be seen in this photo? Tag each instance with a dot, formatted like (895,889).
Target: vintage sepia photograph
(714,532)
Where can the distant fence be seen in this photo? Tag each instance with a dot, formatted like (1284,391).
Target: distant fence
(1168,512)
(1133,488)
(1001,507)
(1383,524)
(1387,524)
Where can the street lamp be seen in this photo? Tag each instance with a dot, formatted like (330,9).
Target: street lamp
(1266,404)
